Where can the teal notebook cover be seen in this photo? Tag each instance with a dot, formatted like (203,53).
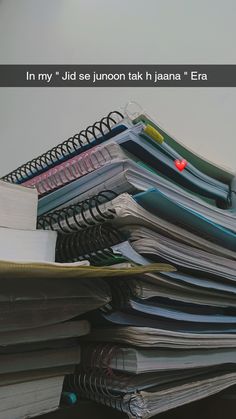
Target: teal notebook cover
(159,204)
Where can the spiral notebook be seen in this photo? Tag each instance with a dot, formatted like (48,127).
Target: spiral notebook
(142,140)
(145,395)
(155,337)
(100,245)
(149,286)
(201,281)
(157,247)
(111,125)
(138,319)
(76,167)
(102,130)
(144,246)
(129,176)
(168,308)
(147,152)
(124,210)
(138,361)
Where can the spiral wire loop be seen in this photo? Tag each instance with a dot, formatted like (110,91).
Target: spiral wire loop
(92,135)
(78,216)
(93,244)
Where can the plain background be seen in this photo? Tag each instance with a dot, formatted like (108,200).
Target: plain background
(33,120)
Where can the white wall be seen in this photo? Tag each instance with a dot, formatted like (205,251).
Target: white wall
(111,31)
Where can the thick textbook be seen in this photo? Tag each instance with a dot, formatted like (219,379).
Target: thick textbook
(30,398)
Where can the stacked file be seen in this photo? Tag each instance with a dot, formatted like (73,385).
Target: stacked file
(123,193)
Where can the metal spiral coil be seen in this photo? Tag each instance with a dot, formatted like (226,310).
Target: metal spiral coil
(93,244)
(94,386)
(78,216)
(92,135)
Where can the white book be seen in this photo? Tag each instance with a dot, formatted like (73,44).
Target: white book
(26,245)
(18,206)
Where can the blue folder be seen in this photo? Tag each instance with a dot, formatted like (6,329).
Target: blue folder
(159,204)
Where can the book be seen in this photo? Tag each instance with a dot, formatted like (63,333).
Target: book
(27,245)
(18,206)
(31,398)
(34,303)
(31,375)
(39,359)
(59,331)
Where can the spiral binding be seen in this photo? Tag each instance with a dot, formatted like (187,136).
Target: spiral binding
(94,385)
(100,356)
(78,216)
(92,135)
(93,244)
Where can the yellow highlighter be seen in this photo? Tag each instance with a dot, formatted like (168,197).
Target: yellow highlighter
(153,133)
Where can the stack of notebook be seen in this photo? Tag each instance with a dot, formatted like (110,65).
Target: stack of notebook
(124,193)
(40,298)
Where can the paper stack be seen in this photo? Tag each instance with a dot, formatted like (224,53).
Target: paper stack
(123,193)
